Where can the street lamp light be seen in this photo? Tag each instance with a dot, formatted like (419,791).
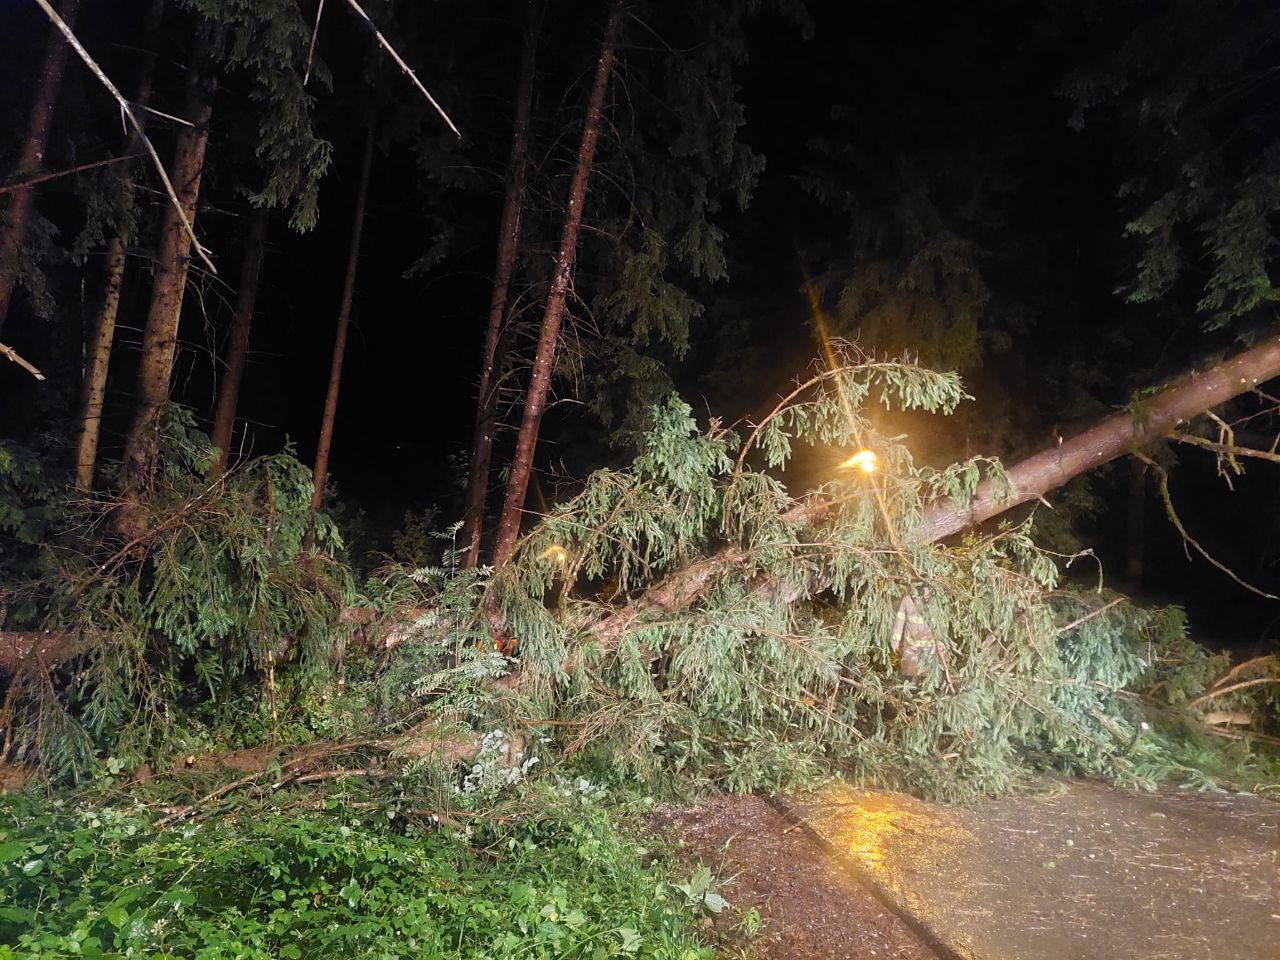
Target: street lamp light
(864,460)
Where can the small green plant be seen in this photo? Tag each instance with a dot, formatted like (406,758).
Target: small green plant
(84,882)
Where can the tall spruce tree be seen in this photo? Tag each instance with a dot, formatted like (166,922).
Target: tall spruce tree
(13,229)
(103,328)
(557,296)
(321,471)
(486,419)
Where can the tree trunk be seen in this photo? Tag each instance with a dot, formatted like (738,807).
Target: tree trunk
(340,338)
(508,241)
(14,228)
(94,387)
(1136,523)
(1029,479)
(1034,477)
(544,358)
(1177,403)
(160,338)
(225,415)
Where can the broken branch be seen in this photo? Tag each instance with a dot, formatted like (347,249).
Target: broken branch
(8,351)
(1224,449)
(1213,694)
(43,177)
(89,62)
(399,62)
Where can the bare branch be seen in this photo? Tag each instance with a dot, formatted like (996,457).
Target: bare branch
(1191,541)
(127,110)
(166,116)
(42,177)
(311,50)
(399,61)
(1212,694)
(8,351)
(1225,449)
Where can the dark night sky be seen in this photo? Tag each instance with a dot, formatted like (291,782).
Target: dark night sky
(924,77)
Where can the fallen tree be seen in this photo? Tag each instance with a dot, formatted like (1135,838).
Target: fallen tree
(688,616)
(1030,479)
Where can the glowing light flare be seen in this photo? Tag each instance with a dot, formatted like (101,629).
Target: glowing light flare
(864,460)
(556,553)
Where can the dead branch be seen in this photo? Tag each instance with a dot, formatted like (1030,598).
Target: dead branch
(54,175)
(1222,691)
(8,351)
(127,110)
(311,50)
(399,62)
(1240,735)
(1224,449)
(1241,667)
(1167,498)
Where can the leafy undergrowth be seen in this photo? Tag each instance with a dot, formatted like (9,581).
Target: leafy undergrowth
(84,881)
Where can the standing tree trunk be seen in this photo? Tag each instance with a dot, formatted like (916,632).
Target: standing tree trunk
(1135,540)
(544,359)
(160,339)
(508,241)
(225,415)
(94,387)
(340,338)
(13,230)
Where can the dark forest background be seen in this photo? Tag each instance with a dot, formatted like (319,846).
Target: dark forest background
(1037,195)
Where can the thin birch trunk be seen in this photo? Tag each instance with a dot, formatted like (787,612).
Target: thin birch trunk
(246,297)
(13,229)
(508,243)
(340,338)
(103,331)
(544,359)
(160,339)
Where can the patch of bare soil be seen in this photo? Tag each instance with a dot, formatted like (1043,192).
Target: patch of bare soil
(812,908)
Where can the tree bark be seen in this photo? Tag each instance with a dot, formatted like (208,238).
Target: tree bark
(544,358)
(340,337)
(14,228)
(1029,479)
(225,415)
(1177,403)
(1032,478)
(1136,523)
(160,338)
(508,242)
(94,386)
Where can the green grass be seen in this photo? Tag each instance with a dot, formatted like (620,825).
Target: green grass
(81,881)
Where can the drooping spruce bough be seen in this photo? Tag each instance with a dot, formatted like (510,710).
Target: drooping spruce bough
(782,667)
(784,663)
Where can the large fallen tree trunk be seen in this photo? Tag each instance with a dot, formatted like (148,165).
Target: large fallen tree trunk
(1030,479)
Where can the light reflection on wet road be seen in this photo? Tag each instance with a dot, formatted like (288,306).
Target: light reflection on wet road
(1081,872)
